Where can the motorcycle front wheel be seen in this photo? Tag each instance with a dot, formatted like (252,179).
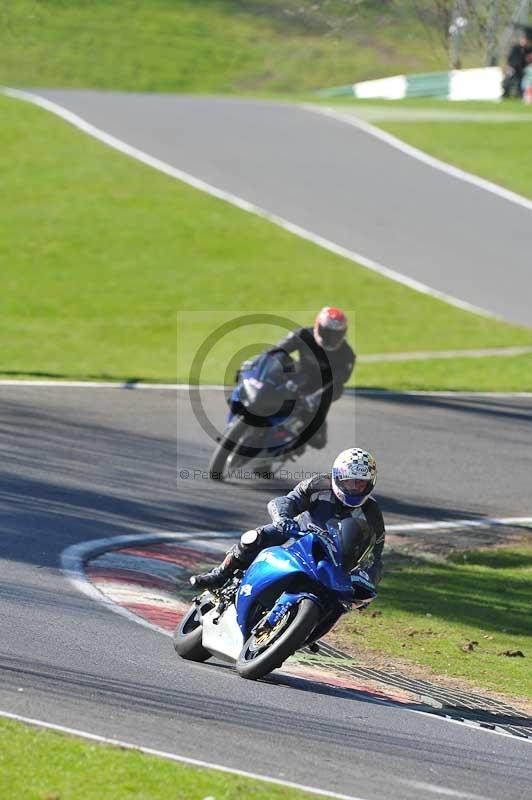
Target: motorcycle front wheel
(187,637)
(267,650)
(228,448)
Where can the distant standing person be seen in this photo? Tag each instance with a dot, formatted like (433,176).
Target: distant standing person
(526,83)
(517,63)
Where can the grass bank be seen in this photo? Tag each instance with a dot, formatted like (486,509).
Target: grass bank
(103,258)
(457,617)
(508,374)
(39,764)
(213,46)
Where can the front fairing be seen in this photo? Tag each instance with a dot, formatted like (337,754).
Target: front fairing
(313,555)
(260,393)
(233,401)
(273,565)
(327,569)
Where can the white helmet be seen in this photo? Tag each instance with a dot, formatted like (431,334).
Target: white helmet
(354,475)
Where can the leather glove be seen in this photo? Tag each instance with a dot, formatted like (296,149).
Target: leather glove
(289,526)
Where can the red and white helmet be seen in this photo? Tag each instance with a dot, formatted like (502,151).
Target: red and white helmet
(354,475)
(330,328)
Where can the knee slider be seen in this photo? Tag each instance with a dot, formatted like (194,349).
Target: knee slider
(250,539)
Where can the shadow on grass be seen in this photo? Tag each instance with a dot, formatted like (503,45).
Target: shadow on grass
(497,559)
(488,600)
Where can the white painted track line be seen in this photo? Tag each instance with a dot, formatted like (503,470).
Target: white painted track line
(441,790)
(414,152)
(241,203)
(456,524)
(193,762)
(436,355)
(186,387)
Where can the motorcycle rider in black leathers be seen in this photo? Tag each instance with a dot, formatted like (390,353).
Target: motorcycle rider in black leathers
(344,492)
(326,362)
(517,61)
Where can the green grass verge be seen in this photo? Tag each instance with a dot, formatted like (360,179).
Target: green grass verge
(44,765)
(507,374)
(414,105)
(431,610)
(212,46)
(100,253)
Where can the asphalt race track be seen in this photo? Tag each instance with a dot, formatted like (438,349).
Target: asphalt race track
(83,464)
(338,182)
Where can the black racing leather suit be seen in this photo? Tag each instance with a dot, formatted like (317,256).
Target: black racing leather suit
(318,368)
(313,500)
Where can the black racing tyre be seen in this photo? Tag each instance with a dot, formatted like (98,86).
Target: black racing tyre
(255,661)
(225,447)
(187,637)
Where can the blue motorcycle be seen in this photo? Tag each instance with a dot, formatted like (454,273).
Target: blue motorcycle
(288,598)
(265,423)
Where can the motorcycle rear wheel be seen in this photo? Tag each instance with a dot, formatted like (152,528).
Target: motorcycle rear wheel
(187,637)
(254,662)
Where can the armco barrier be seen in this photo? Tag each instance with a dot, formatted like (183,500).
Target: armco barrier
(484,83)
(430,84)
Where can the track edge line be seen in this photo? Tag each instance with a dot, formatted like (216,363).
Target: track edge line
(243,204)
(193,762)
(421,155)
